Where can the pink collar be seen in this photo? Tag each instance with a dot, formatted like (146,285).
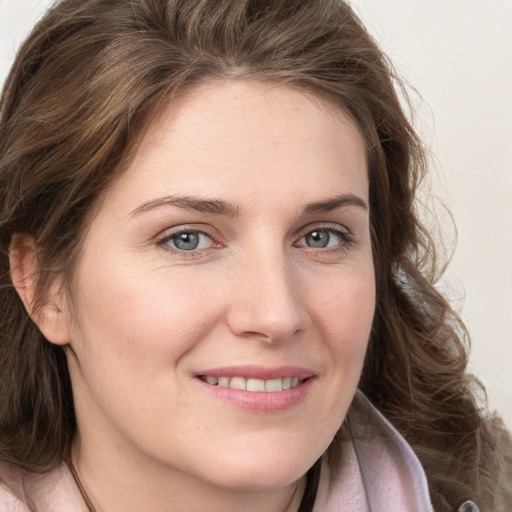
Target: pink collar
(379,471)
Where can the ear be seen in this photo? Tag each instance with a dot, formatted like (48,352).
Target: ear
(50,317)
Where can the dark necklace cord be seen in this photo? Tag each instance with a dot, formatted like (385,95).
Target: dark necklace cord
(88,504)
(312,479)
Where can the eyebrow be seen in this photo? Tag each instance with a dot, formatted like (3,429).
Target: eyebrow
(221,207)
(336,202)
(214,206)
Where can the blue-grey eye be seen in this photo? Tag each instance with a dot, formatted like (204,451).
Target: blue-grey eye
(318,239)
(190,241)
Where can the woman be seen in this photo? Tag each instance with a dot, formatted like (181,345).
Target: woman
(213,273)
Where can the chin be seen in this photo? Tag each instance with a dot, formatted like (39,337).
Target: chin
(245,479)
(258,474)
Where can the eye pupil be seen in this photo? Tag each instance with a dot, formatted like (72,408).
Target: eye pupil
(186,241)
(318,239)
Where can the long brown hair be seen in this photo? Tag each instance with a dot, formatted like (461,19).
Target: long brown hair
(84,85)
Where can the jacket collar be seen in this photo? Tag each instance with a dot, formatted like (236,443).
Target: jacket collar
(378,471)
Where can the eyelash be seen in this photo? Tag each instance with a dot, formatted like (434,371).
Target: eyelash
(347,240)
(193,253)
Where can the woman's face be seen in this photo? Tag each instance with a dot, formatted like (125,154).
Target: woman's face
(234,252)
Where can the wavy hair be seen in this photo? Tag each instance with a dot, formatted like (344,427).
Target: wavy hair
(83,86)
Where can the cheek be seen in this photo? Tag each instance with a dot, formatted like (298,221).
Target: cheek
(346,312)
(345,317)
(131,318)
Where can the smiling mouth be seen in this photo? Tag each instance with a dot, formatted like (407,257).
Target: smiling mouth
(255,385)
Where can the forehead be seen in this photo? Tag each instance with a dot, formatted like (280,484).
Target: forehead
(228,137)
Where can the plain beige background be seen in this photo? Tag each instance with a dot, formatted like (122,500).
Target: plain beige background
(458,55)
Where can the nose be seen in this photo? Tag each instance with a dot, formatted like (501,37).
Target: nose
(267,299)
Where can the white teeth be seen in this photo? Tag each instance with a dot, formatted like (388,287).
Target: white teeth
(274,385)
(270,385)
(255,385)
(237,383)
(223,382)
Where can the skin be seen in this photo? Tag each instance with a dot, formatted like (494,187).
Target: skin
(148,317)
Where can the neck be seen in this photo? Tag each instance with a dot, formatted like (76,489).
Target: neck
(107,488)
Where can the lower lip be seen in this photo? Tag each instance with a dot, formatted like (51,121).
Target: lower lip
(260,401)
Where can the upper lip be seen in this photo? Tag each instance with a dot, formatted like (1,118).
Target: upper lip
(258,372)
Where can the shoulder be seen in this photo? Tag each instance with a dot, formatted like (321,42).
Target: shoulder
(9,502)
(379,471)
(11,490)
(55,491)
(496,435)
